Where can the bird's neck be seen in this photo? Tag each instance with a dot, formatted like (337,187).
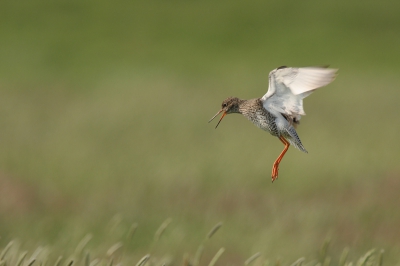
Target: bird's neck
(248,106)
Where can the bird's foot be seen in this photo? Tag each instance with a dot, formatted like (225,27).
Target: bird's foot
(274,173)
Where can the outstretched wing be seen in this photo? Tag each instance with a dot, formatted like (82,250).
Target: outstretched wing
(288,86)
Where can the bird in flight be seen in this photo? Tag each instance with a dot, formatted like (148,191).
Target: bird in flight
(280,109)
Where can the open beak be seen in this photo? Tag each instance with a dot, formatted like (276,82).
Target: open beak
(220,111)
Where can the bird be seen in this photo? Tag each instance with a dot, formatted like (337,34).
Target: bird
(280,109)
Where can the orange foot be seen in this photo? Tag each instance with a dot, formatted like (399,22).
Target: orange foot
(274,172)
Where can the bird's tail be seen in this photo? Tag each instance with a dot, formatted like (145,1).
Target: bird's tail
(294,139)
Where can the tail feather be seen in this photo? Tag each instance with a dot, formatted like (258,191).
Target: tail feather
(294,139)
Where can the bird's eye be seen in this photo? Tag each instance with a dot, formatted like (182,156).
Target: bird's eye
(223,105)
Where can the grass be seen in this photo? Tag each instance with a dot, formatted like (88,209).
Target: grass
(104,110)
(14,253)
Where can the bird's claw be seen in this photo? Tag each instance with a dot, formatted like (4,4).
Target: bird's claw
(274,174)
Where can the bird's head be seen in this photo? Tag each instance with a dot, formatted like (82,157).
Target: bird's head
(228,106)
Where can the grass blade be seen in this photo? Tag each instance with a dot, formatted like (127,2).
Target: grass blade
(131,231)
(87,259)
(143,260)
(214,230)
(198,255)
(252,258)
(343,257)
(114,248)
(21,258)
(324,251)
(364,259)
(161,229)
(5,250)
(380,259)
(216,257)
(31,262)
(58,261)
(298,262)
(94,262)
(82,244)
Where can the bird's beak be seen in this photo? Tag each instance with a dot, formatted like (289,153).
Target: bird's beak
(220,111)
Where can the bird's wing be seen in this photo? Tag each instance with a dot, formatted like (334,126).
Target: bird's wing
(288,86)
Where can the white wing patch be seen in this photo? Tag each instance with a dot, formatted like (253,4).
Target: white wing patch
(289,86)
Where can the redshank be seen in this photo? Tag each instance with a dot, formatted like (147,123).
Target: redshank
(280,109)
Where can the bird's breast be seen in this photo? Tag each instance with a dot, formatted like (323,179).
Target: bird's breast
(260,117)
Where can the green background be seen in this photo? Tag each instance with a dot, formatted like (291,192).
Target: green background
(103,123)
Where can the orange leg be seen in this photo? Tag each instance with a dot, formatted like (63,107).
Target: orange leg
(275,167)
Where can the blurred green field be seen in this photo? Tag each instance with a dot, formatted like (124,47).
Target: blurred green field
(103,121)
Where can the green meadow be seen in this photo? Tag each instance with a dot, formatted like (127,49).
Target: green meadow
(106,154)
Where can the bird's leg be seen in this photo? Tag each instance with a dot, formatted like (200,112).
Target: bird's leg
(275,167)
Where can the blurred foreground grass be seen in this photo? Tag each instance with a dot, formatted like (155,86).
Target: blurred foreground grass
(104,110)
(14,254)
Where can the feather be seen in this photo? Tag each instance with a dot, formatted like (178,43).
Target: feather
(288,87)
